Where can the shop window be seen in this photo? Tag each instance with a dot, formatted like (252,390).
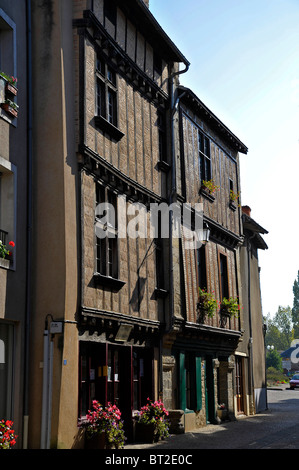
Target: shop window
(121,375)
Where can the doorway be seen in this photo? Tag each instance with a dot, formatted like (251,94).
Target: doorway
(210,391)
(239,385)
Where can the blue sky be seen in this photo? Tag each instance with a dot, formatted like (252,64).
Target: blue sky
(244,57)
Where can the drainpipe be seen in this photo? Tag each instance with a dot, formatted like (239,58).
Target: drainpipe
(29,228)
(173,107)
(172,197)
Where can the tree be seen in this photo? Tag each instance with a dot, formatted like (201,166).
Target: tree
(273,359)
(295,309)
(279,329)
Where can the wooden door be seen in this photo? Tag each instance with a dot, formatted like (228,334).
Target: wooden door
(239,385)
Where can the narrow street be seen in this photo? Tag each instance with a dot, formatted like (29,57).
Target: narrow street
(276,428)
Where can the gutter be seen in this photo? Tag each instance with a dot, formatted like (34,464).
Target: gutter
(29,227)
(172,197)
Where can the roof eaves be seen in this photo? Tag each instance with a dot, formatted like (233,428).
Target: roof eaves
(200,107)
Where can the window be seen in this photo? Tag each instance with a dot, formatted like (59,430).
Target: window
(109,12)
(223,276)
(113,376)
(159,256)
(162,137)
(201,267)
(9,107)
(8,174)
(121,375)
(6,369)
(204,158)
(107,242)
(106,100)
(106,92)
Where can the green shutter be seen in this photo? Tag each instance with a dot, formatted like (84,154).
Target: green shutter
(198,383)
(182,381)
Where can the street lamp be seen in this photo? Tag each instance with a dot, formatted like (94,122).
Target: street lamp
(205,234)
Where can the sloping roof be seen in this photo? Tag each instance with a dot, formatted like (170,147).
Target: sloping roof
(202,110)
(141,15)
(252,226)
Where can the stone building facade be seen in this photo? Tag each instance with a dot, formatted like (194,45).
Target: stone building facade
(199,353)
(111,303)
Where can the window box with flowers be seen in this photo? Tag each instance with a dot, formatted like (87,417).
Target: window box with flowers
(7,434)
(10,107)
(103,427)
(208,189)
(152,423)
(11,82)
(206,305)
(229,307)
(234,200)
(5,254)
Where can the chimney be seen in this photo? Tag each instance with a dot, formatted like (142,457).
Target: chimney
(146,2)
(246,210)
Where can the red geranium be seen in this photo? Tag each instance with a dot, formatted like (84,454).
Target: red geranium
(7,434)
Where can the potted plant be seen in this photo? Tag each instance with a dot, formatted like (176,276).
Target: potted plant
(221,411)
(104,427)
(233,199)
(10,83)
(152,423)
(207,305)
(10,107)
(209,186)
(5,254)
(229,307)
(7,434)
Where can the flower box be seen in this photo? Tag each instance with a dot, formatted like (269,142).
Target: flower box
(11,89)
(4,263)
(98,441)
(9,109)
(146,433)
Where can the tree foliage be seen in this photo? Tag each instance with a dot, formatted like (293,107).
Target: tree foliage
(273,359)
(280,329)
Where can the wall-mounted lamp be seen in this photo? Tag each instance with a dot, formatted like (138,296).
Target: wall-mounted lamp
(204,234)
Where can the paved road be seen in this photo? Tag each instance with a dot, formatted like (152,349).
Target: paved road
(275,428)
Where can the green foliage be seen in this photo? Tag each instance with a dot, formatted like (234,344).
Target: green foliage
(279,329)
(274,376)
(231,305)
(274,360)
(207,302)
